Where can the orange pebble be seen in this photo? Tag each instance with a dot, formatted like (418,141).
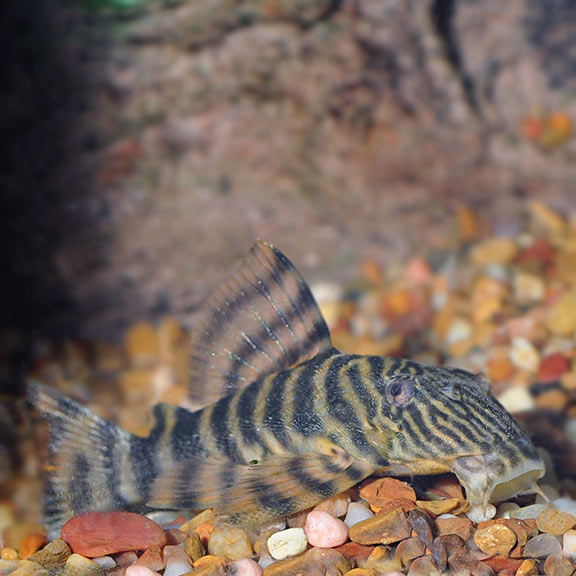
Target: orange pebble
(31,543)
(204,530)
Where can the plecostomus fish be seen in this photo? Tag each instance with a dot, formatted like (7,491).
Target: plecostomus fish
(287,421)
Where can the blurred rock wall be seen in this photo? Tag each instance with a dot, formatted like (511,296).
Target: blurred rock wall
(145,151)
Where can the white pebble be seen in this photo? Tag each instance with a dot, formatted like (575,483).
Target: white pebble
(324,530)
(287,543)
(532,511)
(565,505)
(357,513)
(265,559)
(140,570)
(524,355)
(245,567)
(177,561)
(459,330)
(106,562)
(541,546)
(478,514)
(569,544)
(517,399)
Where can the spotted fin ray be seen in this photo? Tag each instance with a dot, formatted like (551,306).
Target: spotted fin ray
(263,320)
(278,485)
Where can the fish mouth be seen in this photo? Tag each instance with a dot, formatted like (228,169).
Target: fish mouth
(488,478)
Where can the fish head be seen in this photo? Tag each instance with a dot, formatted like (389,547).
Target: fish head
(447,420)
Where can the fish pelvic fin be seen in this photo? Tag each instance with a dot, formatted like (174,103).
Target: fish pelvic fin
(263,320)
(89,462)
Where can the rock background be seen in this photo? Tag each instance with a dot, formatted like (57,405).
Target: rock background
(143,152)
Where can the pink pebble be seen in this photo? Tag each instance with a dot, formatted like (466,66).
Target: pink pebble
(245,567)
(324,531)
(139,570)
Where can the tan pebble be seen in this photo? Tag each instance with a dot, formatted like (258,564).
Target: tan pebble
(383,560)
(553,400)
(487,309)
(8,554)
(568,381)
(408,550)
(335,505)
(382,529)
(141,344)
(494,251)
(360,572)
(459,526)
(495,539)
(194,547)
(438,507)
(210,570)
(424,566)
(555,522)
(136,385)
(29,568)
(230,542)
(109,358)
(209,560)
(386,506)
(517,399)
(529,567)
(561,318)
(205,517)
(77,565)
(557,565)
(53,554)
(314,561)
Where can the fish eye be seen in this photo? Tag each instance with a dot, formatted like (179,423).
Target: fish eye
(399,391)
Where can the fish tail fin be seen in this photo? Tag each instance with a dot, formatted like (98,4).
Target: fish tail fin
(90,461)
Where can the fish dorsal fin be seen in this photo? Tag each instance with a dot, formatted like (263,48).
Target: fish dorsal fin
(263,320)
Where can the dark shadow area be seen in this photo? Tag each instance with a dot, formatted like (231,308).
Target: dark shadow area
(45,198)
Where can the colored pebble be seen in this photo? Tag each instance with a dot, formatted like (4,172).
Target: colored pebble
(245,567)
(106,562)
(287,543)
(356,513)
(230,542)
(324,530)
(76,564)
(53,554)
(569,543)
(524,355)
(382,529)
(176,560)
(31,543)
(102,533)
(531,511)
(140,570)
(555,522)
(529,567)
(495,539)
(541,546)
(335,505)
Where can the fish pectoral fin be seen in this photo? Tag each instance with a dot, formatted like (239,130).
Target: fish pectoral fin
(275,486)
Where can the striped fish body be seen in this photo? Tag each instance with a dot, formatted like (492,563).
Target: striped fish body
(271,442)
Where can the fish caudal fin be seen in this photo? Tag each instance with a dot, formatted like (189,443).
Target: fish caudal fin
(89,464)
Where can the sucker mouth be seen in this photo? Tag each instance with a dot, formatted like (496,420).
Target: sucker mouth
(483,484)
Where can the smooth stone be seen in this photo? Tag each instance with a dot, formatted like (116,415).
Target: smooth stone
(357,513)
(176,560)
(569,544)
(324,530)
(245,567)
(230,542)
(555,522)
(532,511)
(335,505)
(53,554)
(102,533)
(106,562)
(140,570)
(565,505)
(78,565)
(541,546)
(287,543)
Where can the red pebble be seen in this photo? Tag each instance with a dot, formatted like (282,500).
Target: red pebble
(101,533)
(552,367)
